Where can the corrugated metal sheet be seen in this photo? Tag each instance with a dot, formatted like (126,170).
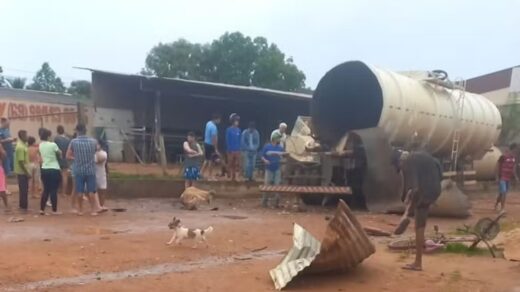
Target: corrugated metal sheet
(304,250)
(186,82)
(344,246)
(305,189)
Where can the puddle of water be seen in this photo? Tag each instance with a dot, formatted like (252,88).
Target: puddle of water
(155,270)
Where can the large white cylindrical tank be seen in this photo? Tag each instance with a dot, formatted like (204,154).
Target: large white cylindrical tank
(354,95)
(485,168)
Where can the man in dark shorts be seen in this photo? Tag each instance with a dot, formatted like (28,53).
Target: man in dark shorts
(210,145)
(422,176)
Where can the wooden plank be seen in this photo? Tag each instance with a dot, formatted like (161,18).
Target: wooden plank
(292,189)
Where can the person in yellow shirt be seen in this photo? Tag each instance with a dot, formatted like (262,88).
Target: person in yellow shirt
(21,168)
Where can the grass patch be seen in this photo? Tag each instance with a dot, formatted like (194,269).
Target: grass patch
(126,176)
(460,248)
(507,225)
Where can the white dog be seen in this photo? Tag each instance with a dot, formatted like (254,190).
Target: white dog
(180,232)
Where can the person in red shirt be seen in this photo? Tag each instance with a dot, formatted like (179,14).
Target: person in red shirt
(506,170)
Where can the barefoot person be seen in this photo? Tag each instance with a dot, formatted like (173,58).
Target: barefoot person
(506,170)
(210,146)
(34,166)
(82,151)
(422,175)
(192,155)
(50,172)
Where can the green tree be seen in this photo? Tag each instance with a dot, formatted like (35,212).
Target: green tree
(17,82)
(233,58)
(80,88)
(46,80)
(180,59)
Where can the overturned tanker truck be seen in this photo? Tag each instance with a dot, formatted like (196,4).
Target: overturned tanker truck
(360,113)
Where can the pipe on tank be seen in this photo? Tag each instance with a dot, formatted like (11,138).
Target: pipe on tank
(354,96)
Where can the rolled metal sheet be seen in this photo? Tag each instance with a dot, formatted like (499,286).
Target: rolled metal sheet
(344,246)
(381,184)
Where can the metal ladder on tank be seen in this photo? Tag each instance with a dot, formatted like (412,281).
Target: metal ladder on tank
(461,86)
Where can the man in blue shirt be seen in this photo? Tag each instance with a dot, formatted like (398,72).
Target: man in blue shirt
(210,146)
(271,155)
(250,142)
(233,146)
(82,150)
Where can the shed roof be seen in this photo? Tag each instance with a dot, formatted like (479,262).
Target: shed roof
(202,89)
(491,81)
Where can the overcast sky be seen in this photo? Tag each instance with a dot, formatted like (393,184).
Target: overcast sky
(465,38)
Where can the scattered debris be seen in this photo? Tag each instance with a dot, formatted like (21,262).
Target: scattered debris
(344,246)
(242,258)
(15,219)
(259,249)
(46,239)
(192,197)
(214,209)
(376,231)
(232,217)
(118,210)
(121,231)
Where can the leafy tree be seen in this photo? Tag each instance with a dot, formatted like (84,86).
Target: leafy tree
(80,88)
(46,80)
(233,58)
(180,59)
(18,82)
(510,120)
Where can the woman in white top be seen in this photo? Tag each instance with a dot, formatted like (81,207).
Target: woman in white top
(101,173)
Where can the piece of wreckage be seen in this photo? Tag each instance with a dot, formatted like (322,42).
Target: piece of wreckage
(192,197)
(344,246)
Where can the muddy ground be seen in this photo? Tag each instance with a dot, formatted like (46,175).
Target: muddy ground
(126,251)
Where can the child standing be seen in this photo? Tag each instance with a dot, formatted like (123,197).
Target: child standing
(192,155)
(101,173)
(35,161)
(271,155)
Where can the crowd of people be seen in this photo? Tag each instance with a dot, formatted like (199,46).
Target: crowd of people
(242,149)
(77,163)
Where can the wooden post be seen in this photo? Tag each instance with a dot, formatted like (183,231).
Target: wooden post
(158,138)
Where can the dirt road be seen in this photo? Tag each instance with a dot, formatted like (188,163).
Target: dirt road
(127,252)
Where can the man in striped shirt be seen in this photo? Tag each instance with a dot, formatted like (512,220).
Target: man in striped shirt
(82,151)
